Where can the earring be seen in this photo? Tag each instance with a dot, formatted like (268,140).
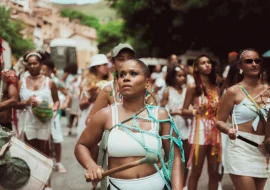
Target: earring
(120,96)
(241,71)
(146,93)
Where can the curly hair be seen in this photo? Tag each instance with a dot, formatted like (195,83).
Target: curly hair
(200,89)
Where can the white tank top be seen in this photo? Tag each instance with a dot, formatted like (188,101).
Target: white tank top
(121,144)
(44,93)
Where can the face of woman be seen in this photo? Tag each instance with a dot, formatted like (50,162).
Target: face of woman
(132,80)
(102,70)
(121,58)
(204,66)
(180,77)
(33,65)
(250,63)
(45,71)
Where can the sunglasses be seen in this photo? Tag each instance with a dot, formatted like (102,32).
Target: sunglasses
(250,61)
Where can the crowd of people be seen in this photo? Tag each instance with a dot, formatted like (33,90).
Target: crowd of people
(145,128)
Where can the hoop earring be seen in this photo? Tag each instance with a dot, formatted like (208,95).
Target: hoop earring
(240,71)
(120,96)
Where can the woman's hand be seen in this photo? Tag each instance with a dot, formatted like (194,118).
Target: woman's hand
(94,174)
(261,148)
(232,133)
(32,101)
(93,95)
(176,112)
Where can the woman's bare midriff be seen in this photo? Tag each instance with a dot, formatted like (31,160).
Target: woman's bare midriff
(132,173)
(247,127)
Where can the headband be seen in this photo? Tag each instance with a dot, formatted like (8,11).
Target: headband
(33,53)
(179,68)
(241,55)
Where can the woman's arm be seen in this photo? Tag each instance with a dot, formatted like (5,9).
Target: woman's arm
(67,99)
(225,108)
(88,140)
(267,135)
(177,176)
(102,101)
(165,97)
(54,96)
(84,103)
(189,98)
(22,104)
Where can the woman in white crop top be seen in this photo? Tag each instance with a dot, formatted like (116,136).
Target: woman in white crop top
(132,140)
(248,103)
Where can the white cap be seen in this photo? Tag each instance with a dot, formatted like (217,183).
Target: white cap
(99,59)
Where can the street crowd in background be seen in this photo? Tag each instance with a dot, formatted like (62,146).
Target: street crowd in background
(177,114)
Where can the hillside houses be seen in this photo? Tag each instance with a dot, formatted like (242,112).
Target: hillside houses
(43,23)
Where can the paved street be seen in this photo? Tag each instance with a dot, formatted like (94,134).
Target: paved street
(74,178)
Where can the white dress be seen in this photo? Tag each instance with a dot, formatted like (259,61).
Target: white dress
(175,103)
(32,126)
(84,114)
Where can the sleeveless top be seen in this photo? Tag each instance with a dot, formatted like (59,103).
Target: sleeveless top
(43,93)
(121,144)
(150,141)
(175,103)
(246,111)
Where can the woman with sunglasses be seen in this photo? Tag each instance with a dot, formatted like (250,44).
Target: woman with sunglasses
(248,103)
(204,137)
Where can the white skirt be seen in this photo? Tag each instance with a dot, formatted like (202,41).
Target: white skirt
(152,182)
(244,159)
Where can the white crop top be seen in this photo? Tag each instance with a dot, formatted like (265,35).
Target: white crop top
(246,111)
(121,144)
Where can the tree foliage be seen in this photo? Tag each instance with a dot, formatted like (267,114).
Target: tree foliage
(10,31)
(109,35)
(86,20)
(215,25)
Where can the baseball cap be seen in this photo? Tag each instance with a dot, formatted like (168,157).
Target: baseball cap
(99,59)
(120,47)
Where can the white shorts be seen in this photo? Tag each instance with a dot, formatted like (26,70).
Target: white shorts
(244,159)
(57,134)
(152,182)
(33,127)
(41,133)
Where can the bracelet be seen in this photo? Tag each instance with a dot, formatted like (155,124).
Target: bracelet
(194,111)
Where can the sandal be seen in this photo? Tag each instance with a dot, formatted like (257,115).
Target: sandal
(60,168)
